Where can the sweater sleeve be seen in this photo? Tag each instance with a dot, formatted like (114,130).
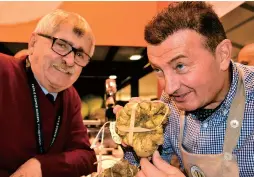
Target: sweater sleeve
(78,159)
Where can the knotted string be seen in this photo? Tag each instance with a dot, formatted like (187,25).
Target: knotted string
(132,129)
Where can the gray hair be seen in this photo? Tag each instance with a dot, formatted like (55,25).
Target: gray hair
(51,22)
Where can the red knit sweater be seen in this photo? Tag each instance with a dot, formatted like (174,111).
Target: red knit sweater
(70,155)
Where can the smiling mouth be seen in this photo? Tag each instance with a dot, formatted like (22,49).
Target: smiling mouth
(180,98)
(61,69)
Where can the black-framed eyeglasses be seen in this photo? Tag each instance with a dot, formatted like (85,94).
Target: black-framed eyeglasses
(63,48)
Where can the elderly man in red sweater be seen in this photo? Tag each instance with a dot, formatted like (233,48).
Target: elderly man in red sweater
(43,137)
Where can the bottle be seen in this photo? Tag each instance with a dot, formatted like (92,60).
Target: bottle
(110,100)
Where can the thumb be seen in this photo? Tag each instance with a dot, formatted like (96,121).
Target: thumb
(163,165)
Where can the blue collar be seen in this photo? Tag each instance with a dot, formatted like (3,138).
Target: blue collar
(45,90)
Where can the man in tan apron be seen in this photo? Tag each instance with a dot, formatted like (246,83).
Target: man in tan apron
(224,164)
(206,165)
(191,56)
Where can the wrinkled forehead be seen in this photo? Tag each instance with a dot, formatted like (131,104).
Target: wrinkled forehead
(87,37)
(182,39)
(77,37)
(78,31)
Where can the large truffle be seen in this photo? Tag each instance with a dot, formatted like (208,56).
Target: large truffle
(149,115)
(121,169)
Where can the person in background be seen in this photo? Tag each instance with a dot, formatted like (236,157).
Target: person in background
(211,126)
(246,55)
(41,128)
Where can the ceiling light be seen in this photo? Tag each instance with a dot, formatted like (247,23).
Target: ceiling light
(135,57)
(112,77)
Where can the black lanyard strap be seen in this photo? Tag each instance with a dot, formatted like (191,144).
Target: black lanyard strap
(36,107)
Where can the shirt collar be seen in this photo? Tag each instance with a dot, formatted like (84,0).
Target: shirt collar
(45,91)
(221,114)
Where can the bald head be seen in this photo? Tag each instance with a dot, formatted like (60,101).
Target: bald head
(246,55)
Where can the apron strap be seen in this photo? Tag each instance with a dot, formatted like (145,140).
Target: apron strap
(235,118)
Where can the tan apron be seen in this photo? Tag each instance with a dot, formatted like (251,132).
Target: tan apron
(218,165)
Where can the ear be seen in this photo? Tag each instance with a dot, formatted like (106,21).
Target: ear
(223,54)
(31,43)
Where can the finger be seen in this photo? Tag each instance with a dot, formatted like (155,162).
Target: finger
(117,108)
(149,169)
(140,174)
(163,165)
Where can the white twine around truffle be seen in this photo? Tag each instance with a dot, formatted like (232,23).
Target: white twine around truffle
(132,129)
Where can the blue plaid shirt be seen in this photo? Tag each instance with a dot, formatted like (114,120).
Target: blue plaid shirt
(207,137)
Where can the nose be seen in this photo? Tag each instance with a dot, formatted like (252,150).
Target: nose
(69,59)
(172,84)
